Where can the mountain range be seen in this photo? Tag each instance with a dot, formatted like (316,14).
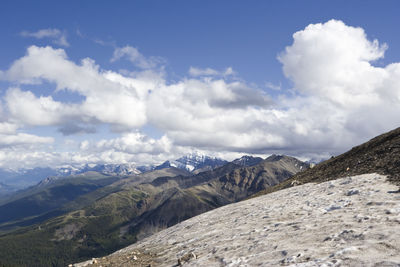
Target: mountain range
(342,212)
(14,180)
(343,209)
(91,214)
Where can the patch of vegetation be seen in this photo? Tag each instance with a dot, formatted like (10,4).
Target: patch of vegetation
(39,204)
(98,235)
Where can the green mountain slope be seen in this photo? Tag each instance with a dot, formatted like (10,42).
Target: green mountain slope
(44,201)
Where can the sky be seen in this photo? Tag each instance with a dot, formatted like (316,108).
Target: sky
(145,81)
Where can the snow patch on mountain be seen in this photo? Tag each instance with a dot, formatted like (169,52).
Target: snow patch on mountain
(352,221)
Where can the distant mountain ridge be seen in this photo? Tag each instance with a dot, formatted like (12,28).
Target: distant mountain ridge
(13,180)
(95,215)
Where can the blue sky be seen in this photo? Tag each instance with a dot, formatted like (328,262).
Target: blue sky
(144,81)
(246,36)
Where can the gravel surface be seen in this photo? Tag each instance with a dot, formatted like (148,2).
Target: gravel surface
(353,221)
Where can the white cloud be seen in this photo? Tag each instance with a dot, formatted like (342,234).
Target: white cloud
(133,55)
(129,147)
(23,150)
(23,139)
(8,128)
(275,87)
(331,62)
(58,37)
(32,110)
(26,158)
(196,72)
(342,99)
(141,149)
(211,114)
(132,143)
(109,97)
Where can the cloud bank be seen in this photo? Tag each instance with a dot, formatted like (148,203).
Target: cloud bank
(341,98)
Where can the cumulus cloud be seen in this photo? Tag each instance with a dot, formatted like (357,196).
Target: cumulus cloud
(25,107)
(210,114)
(16,148)
(23,139)
(132,143)
(332,62)
(133,55)
(58,37)
(195,72)
(12,158)
(341,100)
(129,147)
(8,128)
(109,97)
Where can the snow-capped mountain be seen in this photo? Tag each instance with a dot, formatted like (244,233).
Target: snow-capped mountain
(193,162)
(146,168)
(113,169)
(14,180)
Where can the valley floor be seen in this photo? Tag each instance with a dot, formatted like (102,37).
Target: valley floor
(353,221)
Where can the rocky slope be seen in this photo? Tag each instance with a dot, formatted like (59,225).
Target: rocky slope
(353,221)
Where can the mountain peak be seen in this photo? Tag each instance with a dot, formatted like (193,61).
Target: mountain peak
(192,162)
(275,157)
(246,161)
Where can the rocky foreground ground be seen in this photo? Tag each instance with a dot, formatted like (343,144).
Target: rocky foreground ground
(352,221)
